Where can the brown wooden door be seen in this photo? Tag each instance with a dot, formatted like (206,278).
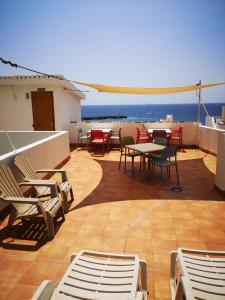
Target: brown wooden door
(43,111)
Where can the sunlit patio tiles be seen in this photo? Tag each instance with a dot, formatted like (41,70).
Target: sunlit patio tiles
(163,246)
(12,268)
(40,270)
(192,244)
(26,255)
(6,287)
(138,244)
(182,224)
(21,292)
(189,235)
(211,236)
(150,285)
(139,231)
(113,243)
(215,246)
(164,234)
(54,252)
(161,261)
(161,285)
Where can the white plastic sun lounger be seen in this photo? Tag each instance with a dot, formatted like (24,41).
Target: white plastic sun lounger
(197,274)
(98,275)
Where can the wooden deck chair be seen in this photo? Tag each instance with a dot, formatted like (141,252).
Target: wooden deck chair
(24,165)
(27,208)
(98,275)
(197,274)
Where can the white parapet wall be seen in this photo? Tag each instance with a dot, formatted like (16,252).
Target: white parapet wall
(190,131)
(220,164)
(208,138)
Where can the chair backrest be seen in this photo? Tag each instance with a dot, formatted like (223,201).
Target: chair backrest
(79,130)
(142,131)
(180,131)
(160,141)
(24,165)
(97,134)
(126,140)
(159,133)
(9,187)
(168,152)
(8,184)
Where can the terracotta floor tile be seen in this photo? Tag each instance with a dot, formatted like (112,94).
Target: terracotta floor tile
(116,212)
(189,235)
(53,252)
(192,245)
(164,246)
(161,262)
(22,292)
(164,234)
(39,271)
(138,245)
(162,286)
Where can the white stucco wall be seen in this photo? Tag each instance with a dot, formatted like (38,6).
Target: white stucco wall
(67,109)
(16,110)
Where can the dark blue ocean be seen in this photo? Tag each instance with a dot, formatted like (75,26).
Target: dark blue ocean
(152,112)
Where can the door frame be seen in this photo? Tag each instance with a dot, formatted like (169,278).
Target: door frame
(52,107)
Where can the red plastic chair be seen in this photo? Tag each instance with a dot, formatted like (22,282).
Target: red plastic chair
(142,136)
(99,138)
(177,136)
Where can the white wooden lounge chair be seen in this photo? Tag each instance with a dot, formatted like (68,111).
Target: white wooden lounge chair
(24,165)
(98,275)
(27,208)
(197,274)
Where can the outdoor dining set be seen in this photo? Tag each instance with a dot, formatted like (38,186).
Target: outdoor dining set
(158,146)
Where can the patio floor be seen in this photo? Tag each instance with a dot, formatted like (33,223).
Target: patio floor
(116,212)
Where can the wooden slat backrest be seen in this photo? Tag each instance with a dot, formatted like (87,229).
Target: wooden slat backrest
(8,184)
(22,162)
(10,188)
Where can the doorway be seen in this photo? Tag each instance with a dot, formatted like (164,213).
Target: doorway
(43,111)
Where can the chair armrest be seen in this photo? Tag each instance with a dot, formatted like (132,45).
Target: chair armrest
(52,184)
(44,291)
(143,271)
(53,171)
(21,200)
(173,284)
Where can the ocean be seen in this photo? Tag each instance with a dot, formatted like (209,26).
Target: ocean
(152,112)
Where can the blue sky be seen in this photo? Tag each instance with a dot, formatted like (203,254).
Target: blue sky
(142,43)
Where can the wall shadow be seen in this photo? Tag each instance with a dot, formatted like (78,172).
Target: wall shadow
(195,178)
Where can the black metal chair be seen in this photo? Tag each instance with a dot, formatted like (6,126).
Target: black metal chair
(124,141)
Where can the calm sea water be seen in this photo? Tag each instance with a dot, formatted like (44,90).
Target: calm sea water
(152,112)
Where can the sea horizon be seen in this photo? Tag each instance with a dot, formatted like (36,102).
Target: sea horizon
(185,112)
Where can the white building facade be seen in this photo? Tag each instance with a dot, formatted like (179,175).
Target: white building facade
(39,103)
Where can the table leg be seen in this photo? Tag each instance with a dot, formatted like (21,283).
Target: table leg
(143,167)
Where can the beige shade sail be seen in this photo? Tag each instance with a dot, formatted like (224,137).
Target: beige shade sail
(146,91)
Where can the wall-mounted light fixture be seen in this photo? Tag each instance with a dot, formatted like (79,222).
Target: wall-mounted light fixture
(27,95)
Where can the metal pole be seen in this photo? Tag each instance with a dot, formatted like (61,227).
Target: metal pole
(199,102)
